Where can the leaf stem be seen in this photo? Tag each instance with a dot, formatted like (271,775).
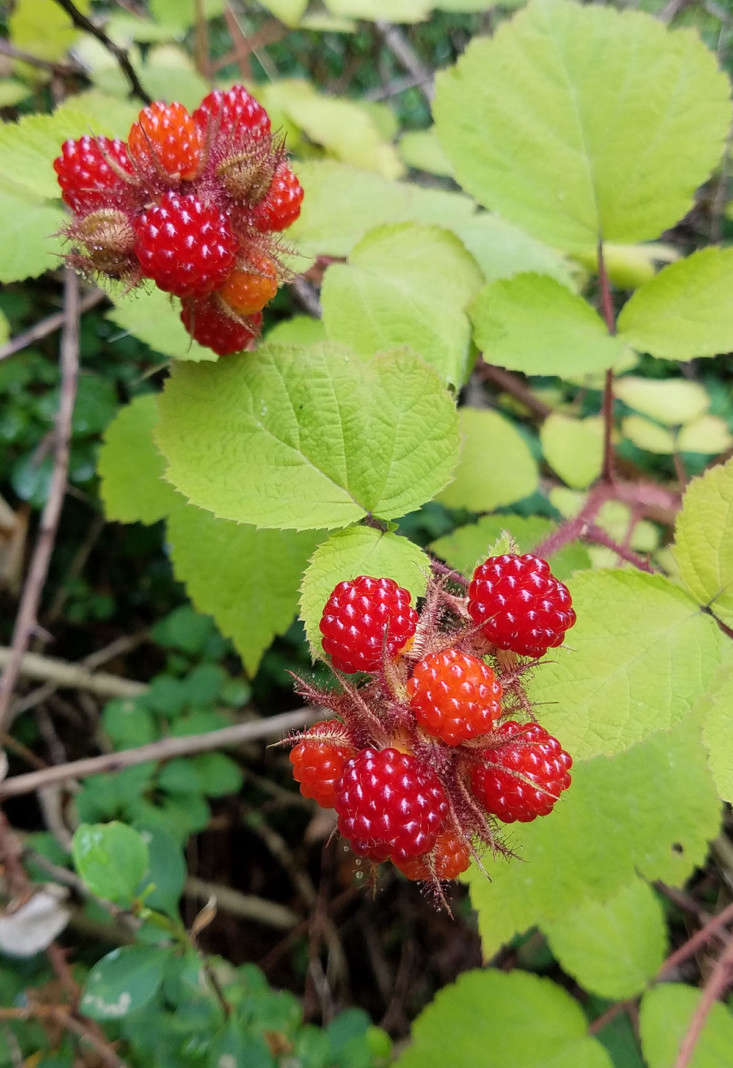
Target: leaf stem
(607,410)
(83,23)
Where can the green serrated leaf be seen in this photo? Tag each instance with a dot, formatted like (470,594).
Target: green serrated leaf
(650,811)
(405,285)
(131,468)
(123,981)
(358,550)
(648,435)
(634,632)
(703,546)
(343,127)
(342,204)
(288,11)
(714,708)
(421,149)
(495,1018)
(573,448)
(43,29)
(166,870)
(299,330)
(394,10)
(503,250)
(308,438)
(480,482)
(228,568)
(155,318)
(557,91)
(709,434)
(533,323)
(666,1015)
(613,947)
(111,858)
(685,311)
(671,401)
(127,723)
(12,92)
(31,242)
(470,545)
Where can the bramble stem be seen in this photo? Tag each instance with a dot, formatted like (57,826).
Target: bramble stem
(607,410)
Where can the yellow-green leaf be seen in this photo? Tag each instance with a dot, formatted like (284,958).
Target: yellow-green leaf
(533,323)
(308,438)
(614,947)
(671,401)
(573,448)
(703,544)
(496,466)
(405,285)
(686,310)
(560,126)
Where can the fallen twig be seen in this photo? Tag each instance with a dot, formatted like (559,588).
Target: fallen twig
(162,750)
(27,612)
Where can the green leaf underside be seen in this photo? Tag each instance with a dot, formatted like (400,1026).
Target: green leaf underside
(715,709)
(343,127)
(394,10)
(155,318)
(686,310)
(405,284)
(649,811)
(648,435)
(671,401)
(111,858)
(358,550)
(131,468)
(533,323)
(502,249)
(495,1019)
(666,1014)
(308,438)
(288,11)
(123,981)
(495,467)
(573,448)
(525,104)
(469,545)
(230,567)
(31,242)
(617,681)
(612,948)
(342,204)
(703,545)
(420,149)
(709,434)
(44,31)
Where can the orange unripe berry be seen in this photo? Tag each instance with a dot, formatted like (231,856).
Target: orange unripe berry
(247,290)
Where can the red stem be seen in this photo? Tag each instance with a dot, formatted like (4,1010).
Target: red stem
(610,319)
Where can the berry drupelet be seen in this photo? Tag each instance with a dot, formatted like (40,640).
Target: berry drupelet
(520,603)
(364,618)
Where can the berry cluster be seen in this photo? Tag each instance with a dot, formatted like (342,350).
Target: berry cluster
(435,743)
(191,201)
